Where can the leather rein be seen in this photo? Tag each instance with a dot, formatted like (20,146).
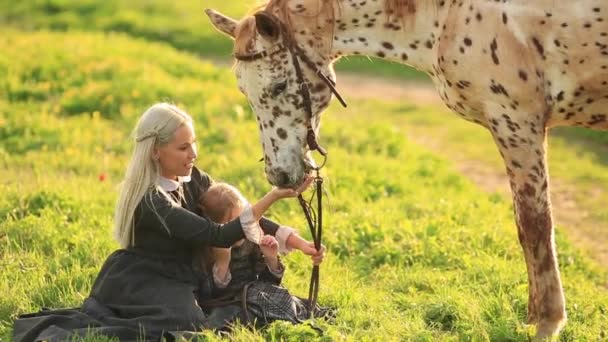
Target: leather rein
(315,222)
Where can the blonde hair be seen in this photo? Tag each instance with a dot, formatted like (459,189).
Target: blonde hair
(220,200)
(156,127)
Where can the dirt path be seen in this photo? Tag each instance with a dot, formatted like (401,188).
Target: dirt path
(566,211)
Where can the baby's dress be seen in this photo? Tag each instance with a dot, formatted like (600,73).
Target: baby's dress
(266,299)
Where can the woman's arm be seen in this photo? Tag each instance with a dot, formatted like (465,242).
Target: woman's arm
(251,215)
(275,194)
(159,214)
(269,226)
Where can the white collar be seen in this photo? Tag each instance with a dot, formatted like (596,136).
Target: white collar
(170,184)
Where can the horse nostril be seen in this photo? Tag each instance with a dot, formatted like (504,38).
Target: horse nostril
(279,177)
(283,178)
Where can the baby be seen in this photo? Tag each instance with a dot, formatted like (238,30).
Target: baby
(233,268)
(247,273)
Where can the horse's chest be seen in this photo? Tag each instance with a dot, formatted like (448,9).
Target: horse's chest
(579,98)
(580,108)
(456,98)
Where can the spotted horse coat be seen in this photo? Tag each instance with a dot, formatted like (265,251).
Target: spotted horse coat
(515,67)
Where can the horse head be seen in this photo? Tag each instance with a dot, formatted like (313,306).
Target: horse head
(287,83)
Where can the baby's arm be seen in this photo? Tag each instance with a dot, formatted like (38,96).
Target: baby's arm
(221,267)
(270,249)
(274,268)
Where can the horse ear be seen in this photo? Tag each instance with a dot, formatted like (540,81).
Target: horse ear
(267,26)
(221,22)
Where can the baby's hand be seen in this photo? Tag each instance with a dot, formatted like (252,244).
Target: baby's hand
(317,256)
(269,246)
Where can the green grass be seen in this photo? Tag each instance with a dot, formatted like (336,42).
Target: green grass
(576,157)
(182,24)
(379,68)
(416,252)
(585,139)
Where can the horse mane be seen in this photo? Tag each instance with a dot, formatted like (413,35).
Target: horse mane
(245,30)
(400,8)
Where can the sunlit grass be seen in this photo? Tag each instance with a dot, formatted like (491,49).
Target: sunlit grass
(578,161)
(416,252)
(183,24)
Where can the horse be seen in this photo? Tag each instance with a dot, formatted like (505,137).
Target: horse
(515,67)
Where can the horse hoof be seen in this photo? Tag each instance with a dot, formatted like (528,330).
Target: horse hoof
(546,329)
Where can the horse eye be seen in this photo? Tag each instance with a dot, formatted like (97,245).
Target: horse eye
(278,88)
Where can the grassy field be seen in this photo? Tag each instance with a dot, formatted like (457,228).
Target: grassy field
(183,25)
(575,156)
(179,23)
(416,252)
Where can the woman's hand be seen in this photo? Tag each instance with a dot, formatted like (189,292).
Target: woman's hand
(276,194)
(279,193)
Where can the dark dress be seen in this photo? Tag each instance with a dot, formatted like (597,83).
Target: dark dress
(247,264)
(257,292)
(150,290)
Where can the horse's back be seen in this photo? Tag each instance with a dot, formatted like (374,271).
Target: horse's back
(577,64)
(537,56)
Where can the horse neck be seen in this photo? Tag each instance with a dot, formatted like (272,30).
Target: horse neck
(367,30)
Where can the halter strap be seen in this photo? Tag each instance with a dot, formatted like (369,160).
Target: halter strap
(316,230)
(248,57)
(328,81)
(297,54)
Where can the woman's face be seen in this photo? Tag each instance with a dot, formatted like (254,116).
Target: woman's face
(177,157)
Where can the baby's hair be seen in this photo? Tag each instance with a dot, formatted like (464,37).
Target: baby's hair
(220,200)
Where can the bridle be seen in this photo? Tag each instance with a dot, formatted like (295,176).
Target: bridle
(298,54)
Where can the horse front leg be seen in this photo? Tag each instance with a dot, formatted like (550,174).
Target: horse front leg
(522,144)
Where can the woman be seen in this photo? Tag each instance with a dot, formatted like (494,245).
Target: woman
(148,288)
